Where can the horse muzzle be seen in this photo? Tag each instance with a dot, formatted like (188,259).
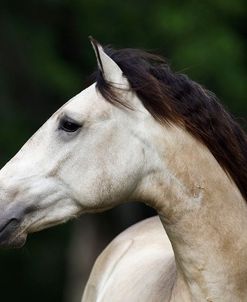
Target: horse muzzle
(10,236)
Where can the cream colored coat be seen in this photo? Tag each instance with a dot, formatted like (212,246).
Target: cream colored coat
(138,265)
(119,155)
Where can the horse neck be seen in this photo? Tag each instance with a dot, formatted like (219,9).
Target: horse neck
(204,216)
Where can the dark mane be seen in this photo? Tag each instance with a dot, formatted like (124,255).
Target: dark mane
(174,98)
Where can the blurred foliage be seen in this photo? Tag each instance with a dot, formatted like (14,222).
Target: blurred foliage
(45,58)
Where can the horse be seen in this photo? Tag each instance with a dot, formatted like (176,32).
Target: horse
(130,267)
(141,132)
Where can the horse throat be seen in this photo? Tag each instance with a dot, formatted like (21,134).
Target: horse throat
(205,217)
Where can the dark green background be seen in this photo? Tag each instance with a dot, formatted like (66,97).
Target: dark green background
(45,58)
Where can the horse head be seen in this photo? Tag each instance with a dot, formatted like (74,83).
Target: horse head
(89,156)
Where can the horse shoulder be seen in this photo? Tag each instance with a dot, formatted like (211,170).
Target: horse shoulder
(138,265)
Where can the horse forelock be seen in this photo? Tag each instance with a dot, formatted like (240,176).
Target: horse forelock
(172,98)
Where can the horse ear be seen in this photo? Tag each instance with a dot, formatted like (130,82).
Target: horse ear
(110,70)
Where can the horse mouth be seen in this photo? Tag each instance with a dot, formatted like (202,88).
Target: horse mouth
(18,242)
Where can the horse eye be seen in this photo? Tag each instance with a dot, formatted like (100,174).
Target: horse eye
(69,125)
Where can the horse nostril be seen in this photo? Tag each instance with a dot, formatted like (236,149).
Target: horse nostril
(10,224)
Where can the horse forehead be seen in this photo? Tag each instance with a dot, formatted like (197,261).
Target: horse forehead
(88,101)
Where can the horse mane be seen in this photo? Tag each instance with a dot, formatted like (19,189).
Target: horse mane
(173,98)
